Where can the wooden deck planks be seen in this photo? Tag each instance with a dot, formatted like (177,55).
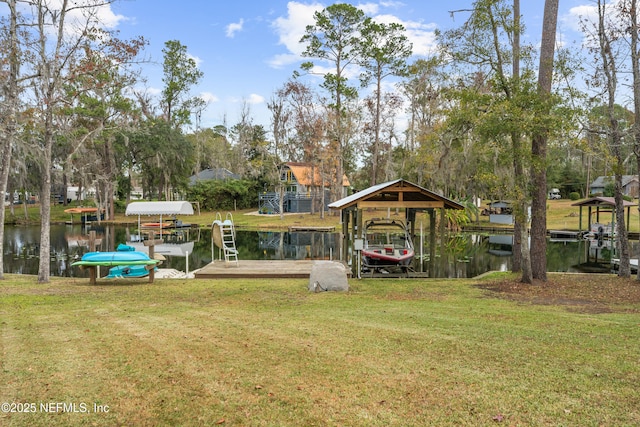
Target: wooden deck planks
(256,269)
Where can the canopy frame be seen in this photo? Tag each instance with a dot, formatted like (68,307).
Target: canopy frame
(158,208)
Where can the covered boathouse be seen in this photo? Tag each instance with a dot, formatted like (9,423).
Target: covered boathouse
(397,194)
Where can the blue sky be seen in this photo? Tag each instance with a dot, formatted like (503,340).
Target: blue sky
(248,49)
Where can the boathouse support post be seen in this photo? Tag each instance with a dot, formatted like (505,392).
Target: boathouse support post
(344,235)
(443,224)
(410,218)
(432,240)
(580,221)
(352,237)
(359,234)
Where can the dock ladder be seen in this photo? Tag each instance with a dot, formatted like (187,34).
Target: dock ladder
(224,236)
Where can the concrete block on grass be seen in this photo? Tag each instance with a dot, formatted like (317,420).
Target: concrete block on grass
(328,276)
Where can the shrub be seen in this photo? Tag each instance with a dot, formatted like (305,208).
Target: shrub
(574,195)
(224,195)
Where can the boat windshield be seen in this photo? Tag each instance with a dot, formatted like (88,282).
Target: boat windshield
(387,235)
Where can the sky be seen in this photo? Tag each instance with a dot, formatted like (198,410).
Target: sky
(247,49)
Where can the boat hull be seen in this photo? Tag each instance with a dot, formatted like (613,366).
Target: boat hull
(155,225)
(379,257)
(387,245)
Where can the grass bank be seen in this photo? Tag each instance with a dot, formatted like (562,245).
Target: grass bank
(388,352)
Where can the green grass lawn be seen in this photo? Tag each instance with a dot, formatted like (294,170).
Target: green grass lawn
(269,353)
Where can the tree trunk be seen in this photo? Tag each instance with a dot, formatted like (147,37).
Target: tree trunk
(520,232)
(5,144)
(539,147)
(635,61)
(7,135)
(44,268)
(610,72)
(525,252)
(376,143)
(620,233)
(111,178)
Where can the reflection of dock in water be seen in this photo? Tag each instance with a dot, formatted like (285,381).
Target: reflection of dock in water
(297,228)
(633,263)
(312,245)
(501,245)
(564,235)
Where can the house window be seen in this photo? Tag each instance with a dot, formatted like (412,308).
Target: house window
(287,176)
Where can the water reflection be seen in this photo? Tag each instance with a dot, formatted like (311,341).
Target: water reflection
(456,256)
(299,245)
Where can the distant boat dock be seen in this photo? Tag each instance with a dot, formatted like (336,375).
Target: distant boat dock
(300,228)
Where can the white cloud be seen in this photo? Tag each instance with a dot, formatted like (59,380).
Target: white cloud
(584,19)
(208,97)
(391,4)
(282,60)
(196,59)
(291,28)
(83,10)
(255,99)
(573,19)
(421,35)
(369,8)
(106,16)
(387,19)
(233,28)
(154,91)
(80,14)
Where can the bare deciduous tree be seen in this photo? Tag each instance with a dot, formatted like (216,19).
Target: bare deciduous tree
(61,36)
(9,94)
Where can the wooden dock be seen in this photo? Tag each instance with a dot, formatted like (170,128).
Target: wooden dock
(298,228)
(268,269)
(633,264)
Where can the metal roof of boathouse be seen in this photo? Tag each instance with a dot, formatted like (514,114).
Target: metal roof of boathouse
(398,193)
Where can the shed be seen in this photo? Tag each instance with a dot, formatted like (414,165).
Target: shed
(393,194)
(501,212)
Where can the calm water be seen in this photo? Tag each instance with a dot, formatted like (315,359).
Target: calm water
(459,256)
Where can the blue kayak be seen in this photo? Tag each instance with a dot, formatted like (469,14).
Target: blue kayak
(122,271)
(116,258)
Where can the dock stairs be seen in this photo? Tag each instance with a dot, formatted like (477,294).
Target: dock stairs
(224,237)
